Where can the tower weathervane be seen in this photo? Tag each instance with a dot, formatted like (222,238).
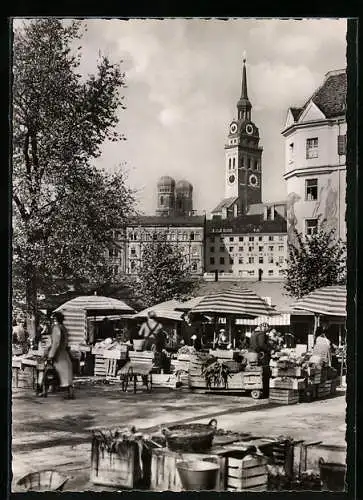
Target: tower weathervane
(244,56)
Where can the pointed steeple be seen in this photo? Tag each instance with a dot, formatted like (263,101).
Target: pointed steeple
(244,79)
(244,106)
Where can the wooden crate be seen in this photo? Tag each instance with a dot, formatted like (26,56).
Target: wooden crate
(324,389)
(99,367)
(165,476)
(196,382)
(24,377)
(141,356)
(114,469)
(246,473)
(296,371)
(287,383)
(222,353)
(163,380)
(252,381)
(284,396)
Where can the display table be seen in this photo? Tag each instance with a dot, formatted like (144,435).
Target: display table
(25,371)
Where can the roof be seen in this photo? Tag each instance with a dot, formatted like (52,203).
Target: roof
(165,310)
(250,223)
(329,300)
(330,97)
(226,203)
(296,112)
(166,180)
(165,221)
(184,185)
(95,302)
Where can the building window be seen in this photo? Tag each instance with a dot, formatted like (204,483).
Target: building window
(133,251)
(291,152)
(240,260)
(211,249)
(161,200)
(132,265)
(252,272)
(251,238)
(192,235)
(231,249)
(270,272)
(342,144)
(311,226)
(271,248)
(221,249)
(242,161)
(248,162)
(281,259)
(211,238)
(194,267)
(270,238)
(270,259)
(240,238)
(281,238)
(311,189)
(231,238)
(250,249)
(240,249)
(256,165)
(312,148)
(260,238)
(229,163)
(251,260)
(281,272)
(211,260)
(234,162)
(260,249)
(230,260)
(221,260)
(155,236)
(281,248)
(260,260)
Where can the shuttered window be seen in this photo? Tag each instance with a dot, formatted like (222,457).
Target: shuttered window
(342,144)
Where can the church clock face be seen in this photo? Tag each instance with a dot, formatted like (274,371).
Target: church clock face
(253,180)
(233,128)
(231,179)
(249,129)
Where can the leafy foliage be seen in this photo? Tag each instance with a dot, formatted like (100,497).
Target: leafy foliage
(64,208)
(315,261)
(163,273)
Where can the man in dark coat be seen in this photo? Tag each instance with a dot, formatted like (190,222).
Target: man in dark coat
(259,342)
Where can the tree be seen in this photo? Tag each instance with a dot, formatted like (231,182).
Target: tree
(64,208)
(163,273)
(315,261)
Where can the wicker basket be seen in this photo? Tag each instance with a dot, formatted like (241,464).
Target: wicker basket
(190,437)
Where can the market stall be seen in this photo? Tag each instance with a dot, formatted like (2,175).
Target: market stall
(229,369)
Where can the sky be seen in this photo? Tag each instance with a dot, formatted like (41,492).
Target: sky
(183,83)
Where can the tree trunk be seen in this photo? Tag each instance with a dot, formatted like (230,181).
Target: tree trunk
(31,300)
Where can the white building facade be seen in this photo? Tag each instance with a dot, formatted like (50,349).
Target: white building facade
(315,159)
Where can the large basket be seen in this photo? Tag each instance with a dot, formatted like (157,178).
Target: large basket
(192,438)
(45,480)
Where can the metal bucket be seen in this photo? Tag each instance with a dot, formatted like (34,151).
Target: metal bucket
(332,475)
(198,474)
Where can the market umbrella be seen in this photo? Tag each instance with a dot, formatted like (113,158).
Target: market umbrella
(329,300)
(241,302)
(164,310)
(96,303)
(234,302)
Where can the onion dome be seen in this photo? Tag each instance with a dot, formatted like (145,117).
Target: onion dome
(184,186)
(165,181)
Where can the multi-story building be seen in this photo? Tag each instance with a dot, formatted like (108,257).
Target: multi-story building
(251,246)
(315,149)
(187,233)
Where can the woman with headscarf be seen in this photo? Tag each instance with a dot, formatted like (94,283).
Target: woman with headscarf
(59,355)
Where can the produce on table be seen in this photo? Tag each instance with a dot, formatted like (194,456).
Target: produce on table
(216,373)
(186,349)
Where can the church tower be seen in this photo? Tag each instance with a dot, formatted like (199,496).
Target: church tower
(243,154)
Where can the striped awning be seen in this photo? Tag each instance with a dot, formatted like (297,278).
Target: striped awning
(329,300)
(164,310)
(96,303)
(189,304)
(241,302)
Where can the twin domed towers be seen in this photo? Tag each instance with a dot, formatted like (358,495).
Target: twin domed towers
(174,198)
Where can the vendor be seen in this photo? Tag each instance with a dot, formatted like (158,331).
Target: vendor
(322,348)
(259,343)
(152,331)
(222,338)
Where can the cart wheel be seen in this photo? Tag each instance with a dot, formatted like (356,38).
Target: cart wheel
(256,394)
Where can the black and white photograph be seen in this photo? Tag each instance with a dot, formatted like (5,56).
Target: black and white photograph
(179,254)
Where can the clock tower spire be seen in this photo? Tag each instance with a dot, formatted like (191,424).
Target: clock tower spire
(243,154)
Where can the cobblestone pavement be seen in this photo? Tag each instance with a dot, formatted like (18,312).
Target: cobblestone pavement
(56,433)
